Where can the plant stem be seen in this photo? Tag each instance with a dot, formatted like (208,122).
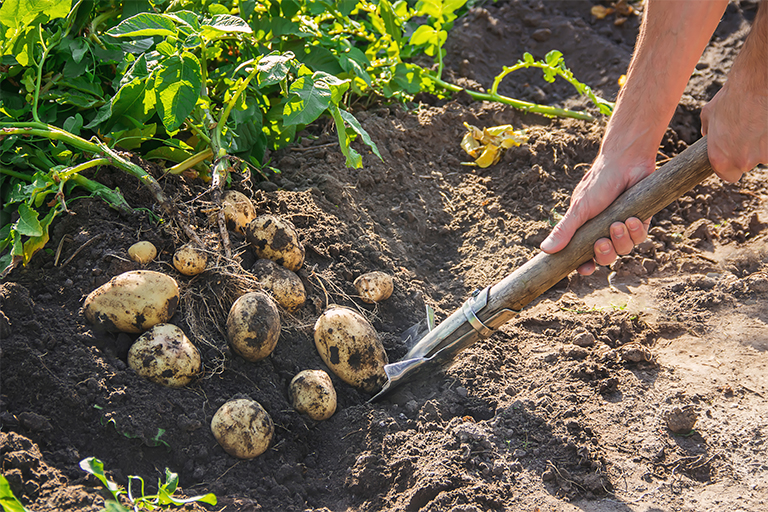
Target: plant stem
(111,197)
(191,161)
(544,110)
(16,174)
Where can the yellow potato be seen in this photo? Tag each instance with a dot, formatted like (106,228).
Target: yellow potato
(285,286)
(243,428)
(238,210)
(142,252)
(165,355)
(348,344)
(312,393)
(189,260)
(253,326)
(374,287)
(133,301)
(275,238)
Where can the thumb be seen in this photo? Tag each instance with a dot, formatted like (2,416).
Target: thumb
(563,232)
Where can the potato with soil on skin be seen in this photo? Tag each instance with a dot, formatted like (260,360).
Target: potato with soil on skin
(142,252)
(312,393)
(243,428)
(348,344)
(253,326)
(238,210)
(133,301)
(374,287)
(285,286)
(276,239)
(190,260)
(165,355)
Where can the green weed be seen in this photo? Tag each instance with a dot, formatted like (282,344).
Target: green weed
(164,497)
(8,501)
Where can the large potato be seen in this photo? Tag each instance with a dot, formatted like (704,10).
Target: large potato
(285,286)
(133,301)
(165,356)
(312,393)
(243,428)
(253,326)
(275,238)
(348,344)
(238,210)
(374,287)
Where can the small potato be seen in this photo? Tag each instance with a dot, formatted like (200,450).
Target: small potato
(243,428)
(253,326)
(348,344)
(374,287)
(133,301)
(312,393)
(285,286)
(165,356)
(276,239)
(142,252)
(238,210)
(189,260)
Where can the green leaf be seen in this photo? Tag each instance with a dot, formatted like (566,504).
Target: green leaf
(19,13)
(353,158)
(554,58)
(178,86)
(355,124)
(35,243)
(188,18)
(274,68)
(145,24)
(307,101)
(95,467)
(134,100)
(423,35)
(391,21)
(221,24)
(28,224)
(8,501)
(528,58)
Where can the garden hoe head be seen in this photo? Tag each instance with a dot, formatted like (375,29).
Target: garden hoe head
(431,347)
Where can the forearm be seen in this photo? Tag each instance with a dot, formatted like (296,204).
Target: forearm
(673,36)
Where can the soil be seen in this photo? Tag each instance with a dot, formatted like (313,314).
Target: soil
(569,406)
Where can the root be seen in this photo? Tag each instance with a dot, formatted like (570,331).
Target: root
(218,178)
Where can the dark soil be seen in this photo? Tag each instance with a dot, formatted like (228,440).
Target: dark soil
(562,409)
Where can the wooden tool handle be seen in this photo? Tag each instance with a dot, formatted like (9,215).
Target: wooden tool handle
(643,200)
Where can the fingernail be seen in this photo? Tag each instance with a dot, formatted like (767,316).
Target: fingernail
(547,244)
(634,224)
(617,232)
(604,248)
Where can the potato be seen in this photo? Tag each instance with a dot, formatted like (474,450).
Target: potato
(253,326)
(238,210)
(142,252)
(190,260)
(133,301)
(165,356)
(285,286)
(276,239)
(348,344)
(312,393)
(243,428)
(374,287)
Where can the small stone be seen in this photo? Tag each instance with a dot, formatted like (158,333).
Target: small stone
(519,453)
(34,422)
(583,339)
(634,353)
(577,353)
(462,391)
(650,265)
(541,35)
(681,420)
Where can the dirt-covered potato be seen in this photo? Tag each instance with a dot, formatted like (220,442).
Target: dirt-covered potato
(142,252)
(238,210)
(374,286)
(253,326)
(165,356)
(348,344)
(275,238)
(190,260)
(285,286)
(133,301)
(243,428)
(312,393)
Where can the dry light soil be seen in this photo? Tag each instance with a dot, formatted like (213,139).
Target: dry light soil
(567,407)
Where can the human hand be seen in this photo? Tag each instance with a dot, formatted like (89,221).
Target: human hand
(736,124)
(602,184)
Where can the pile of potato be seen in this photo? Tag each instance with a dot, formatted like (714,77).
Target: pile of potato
(144,301)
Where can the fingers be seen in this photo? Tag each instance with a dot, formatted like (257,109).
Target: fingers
(563,232)
(624,237)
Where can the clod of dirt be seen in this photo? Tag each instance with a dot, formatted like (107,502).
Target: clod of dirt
(681,421)
(635,353)
(583,338)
